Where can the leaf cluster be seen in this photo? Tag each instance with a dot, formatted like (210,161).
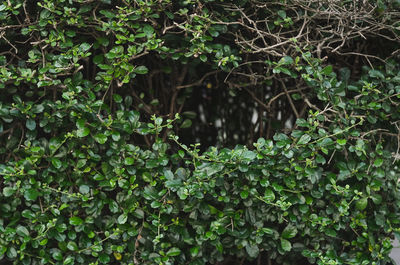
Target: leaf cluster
(93,168)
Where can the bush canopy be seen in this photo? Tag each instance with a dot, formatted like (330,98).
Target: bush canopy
(199,131)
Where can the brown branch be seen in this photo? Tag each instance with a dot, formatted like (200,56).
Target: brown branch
(289,98)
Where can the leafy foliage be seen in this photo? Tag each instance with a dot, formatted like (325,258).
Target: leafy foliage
(97,166)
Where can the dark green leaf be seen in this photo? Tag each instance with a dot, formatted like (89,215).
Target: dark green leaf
(30,124)
(252,250)
(290,231)
(173,252)
(31,194)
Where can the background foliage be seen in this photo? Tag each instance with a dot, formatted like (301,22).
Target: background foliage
(295,104)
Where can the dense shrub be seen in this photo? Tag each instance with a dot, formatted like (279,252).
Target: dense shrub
(101,106)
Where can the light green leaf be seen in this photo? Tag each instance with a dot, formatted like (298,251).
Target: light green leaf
(286,245)
(8,191)
(100,138)
(75,221)
(194,251)
(122,218)
(244,194)
(269,195)
(72,246)
(378,162)
(305,138)
(22,231)
(84,47)
(129,161)
(341,141)
(285,60)
(82,132)
(84,189)
(362,203)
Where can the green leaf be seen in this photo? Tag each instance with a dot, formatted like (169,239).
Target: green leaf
(378,162)
(155,204)
(84,47)
(376,74)
(129,161)
(57,255)
(107,13)
(203,58)
(122,218)
(116,136)
(376,198)
(244,194)
(8,191)
(141,70)
(56,163)
(269,195)
(285,61)
(117,98)
(331,233)
(80,123)
(69,260)
(252,250)
(84,189)
(361,204)
(30,124)
(72,246)
(290,231)
(104,258)
(194,251)
(31,194)
(320,159)
(75,221)
(286,245)
(186,124)
(100,138)
(305,138)
(173,252)
(327,70)
(282,13)
(12,253)
(148,30)
(82,132)
(22,231)
(28,214)
(341,141)
(98,59)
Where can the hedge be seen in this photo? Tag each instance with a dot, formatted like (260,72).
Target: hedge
(93,172)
